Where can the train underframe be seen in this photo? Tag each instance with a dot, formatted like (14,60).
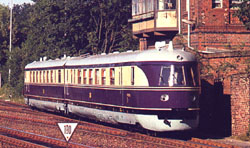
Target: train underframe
(159,121)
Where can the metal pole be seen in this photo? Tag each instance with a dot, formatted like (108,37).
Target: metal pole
(11,6)
(188,1)
(0,80)
(179,15)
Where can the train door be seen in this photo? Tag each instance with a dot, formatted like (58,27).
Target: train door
(121,85)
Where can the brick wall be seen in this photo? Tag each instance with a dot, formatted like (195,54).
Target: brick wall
(240,104)
(225,93)
(215,27)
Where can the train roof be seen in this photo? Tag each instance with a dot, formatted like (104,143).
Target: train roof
(113,58)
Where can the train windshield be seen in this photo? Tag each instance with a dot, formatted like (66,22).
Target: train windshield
(178,75)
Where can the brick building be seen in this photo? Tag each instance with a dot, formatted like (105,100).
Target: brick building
(209,29)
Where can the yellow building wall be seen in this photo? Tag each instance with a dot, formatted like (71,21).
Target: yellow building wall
(166,19)
(143,25)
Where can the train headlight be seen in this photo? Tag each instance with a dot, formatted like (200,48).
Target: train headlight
(194,98)
(164,98)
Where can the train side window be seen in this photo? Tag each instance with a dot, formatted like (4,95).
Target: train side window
(84,77)
(90,77)
(34,77)
(43,76)
(97,75)
(179,76)
(192,76)
(112,76)
(40,77)
(37,77)
(103,76)
(67,76)
(132,75)
(75,76)
(79,76)
(31,76)
(71,76)
(51,76)
(59,76)
(164,76)
(47,76)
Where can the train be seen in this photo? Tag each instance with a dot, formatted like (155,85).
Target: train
(157,89)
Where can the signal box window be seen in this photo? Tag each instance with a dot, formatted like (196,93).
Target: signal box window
(216,3)
(234,3)
(112,76)
(90,77)
(142,6)
(103,77)
(170,4)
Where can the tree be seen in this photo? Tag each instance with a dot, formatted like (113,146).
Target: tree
(4,20)
(4,40)
(108,23)
(243,13)
(53,28)
(58,27)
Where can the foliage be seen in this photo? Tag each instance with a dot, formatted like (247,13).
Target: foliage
(109,23)
(53,28)
(243,13)
(4,40)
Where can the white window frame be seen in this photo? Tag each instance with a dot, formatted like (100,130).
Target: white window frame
(214,2)
(237,1)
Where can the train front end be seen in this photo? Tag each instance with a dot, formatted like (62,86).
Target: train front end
(171,101)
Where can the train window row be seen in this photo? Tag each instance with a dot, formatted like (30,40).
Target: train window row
(100,76)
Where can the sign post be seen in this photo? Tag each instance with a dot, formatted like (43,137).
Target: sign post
(67,129)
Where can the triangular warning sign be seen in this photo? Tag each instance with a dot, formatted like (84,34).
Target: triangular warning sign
(67,129)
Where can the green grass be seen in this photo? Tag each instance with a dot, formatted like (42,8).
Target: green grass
(6,94)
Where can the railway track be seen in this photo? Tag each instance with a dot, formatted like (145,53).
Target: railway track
(39,129)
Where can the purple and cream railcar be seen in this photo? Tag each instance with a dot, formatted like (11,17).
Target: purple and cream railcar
(157,89)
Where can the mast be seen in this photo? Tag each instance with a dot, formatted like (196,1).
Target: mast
(11,7)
